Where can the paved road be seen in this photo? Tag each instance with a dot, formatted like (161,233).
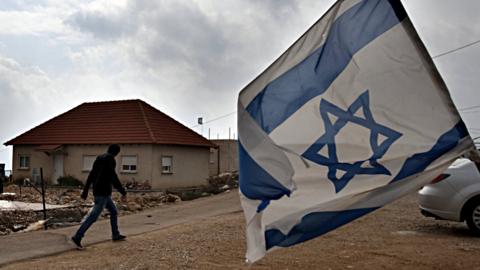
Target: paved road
(21,246)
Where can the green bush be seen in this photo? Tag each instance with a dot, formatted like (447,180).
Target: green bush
(69,181)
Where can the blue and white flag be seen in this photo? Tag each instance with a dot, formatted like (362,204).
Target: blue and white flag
(351,117)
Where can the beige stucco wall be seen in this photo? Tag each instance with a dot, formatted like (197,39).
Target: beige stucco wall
(190,164)
(228,157)
(37,160)
(73,163)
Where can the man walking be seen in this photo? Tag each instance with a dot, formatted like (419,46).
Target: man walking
(102,177)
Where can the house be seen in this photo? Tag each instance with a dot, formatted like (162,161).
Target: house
(154,147)
(224,157)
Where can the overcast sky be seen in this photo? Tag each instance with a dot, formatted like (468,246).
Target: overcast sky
(187,58)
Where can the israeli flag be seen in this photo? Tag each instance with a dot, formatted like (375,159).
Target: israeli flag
(351,117)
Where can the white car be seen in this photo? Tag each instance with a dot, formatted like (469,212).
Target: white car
(454,195)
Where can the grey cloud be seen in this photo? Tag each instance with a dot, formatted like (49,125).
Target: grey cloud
(445,25)
(183,32)
(100,25)
(189,58)
(16,104)
(175,54)
(221,48)
(179,35)
(279,9)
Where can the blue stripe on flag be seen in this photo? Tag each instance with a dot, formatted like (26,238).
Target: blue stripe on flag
(256,183)
(419,162)
(354,29)
(313,225)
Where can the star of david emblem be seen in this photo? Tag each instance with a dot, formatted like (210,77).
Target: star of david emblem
(332,128)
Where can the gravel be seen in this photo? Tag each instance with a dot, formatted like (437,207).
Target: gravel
(395,237)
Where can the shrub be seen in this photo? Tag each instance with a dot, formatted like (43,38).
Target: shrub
(69,181)
(19,181)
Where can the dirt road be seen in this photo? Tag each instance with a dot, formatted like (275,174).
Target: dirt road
(395,237)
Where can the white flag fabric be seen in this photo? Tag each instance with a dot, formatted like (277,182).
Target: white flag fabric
(352,116)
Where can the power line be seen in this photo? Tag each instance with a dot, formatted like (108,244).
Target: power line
(474,111)
(463,110)
(436,56)
(215,119)
(457,49)
(475,131)
(468,108)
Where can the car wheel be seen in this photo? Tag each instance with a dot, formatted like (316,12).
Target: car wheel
(473,217)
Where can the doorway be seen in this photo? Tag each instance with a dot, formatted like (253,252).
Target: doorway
(57,167)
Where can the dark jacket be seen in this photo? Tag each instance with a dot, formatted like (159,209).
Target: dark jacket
(103,177)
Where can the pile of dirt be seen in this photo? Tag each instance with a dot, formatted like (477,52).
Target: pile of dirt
(14,221)
(134,185)
(75,207)
(222,182)
(17,221)
(140,197)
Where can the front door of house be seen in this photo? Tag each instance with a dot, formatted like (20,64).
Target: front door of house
(57,168)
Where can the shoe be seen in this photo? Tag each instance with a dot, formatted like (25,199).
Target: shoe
(77,242)
(118,237)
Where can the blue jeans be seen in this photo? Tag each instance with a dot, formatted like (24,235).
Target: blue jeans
(101,202)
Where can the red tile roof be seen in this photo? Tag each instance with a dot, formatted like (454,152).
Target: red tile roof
(126,121)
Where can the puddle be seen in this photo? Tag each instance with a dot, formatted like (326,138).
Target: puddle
(22,206)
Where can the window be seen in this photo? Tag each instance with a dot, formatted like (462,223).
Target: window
(167,164)
(129,164)
(24,162)
(88,162)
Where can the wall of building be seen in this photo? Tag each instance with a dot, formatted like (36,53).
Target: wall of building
(189,166)
(224,158)
(37,160)
(73,164)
